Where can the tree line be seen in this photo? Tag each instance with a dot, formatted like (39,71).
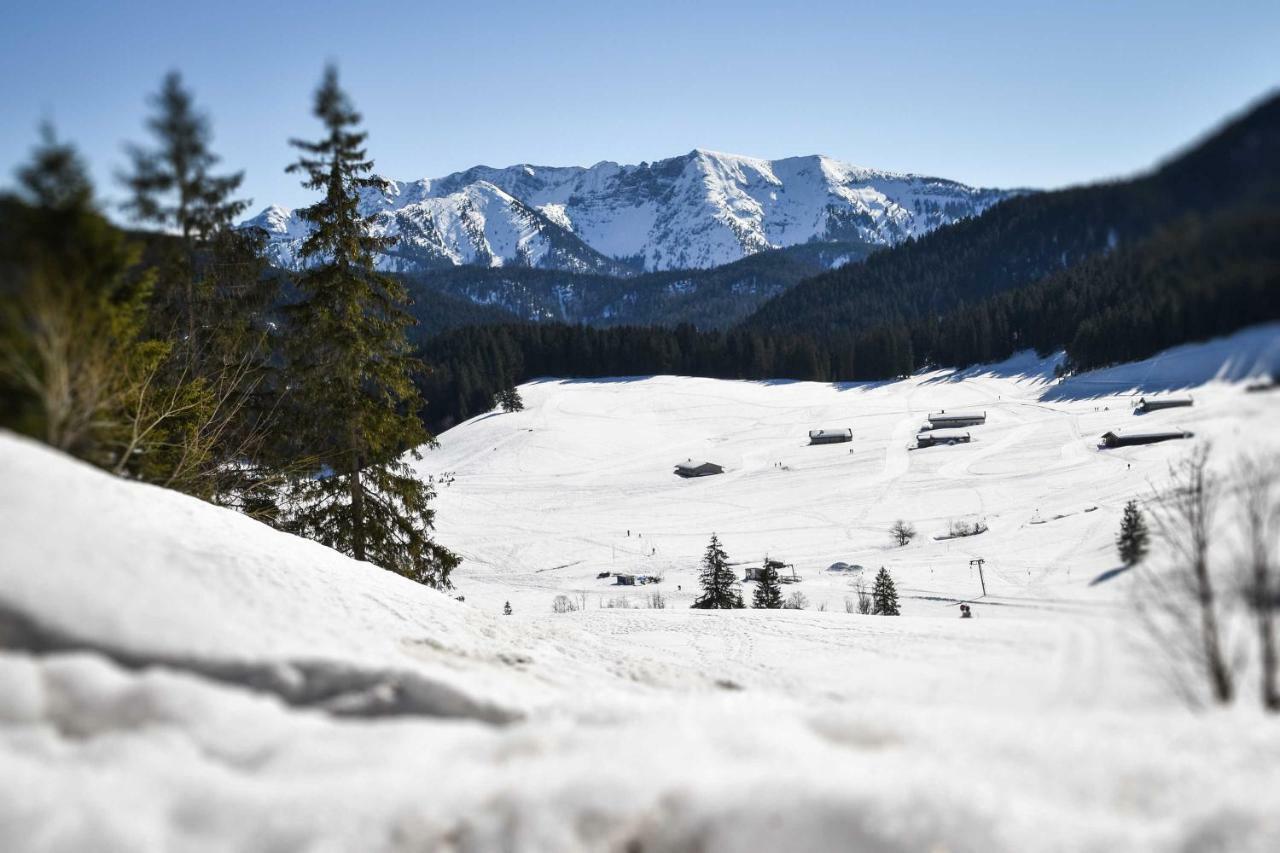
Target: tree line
(1109,273)
(176,356)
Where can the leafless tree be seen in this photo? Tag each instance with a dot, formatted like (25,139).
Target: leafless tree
(902,532)
(1259,511)
(1178,597)
(866,602)
(65,359)
(796,601)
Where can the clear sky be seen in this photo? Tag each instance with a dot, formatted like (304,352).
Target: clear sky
(990,93)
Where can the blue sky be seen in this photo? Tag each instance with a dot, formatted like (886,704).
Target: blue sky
(991,93)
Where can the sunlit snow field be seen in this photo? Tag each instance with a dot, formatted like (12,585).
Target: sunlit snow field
(387,716)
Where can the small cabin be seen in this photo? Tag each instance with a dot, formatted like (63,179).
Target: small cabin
(1127,438)
(830,436)
(950,420)
(694,468)
(624,580)
(942,436)
(1148,404)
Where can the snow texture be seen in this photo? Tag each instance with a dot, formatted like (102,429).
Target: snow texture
(177,677)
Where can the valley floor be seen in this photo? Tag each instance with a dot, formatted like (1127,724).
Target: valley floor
(176,676)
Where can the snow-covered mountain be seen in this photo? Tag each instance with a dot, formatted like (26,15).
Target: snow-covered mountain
(698,210)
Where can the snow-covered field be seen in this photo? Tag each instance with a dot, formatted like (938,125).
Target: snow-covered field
(180,677)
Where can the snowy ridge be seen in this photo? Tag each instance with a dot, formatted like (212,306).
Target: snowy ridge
(699,210)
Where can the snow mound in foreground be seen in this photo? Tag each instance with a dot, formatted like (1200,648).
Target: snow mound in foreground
(177,677)
(148,576)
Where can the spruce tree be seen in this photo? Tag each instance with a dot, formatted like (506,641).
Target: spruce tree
(355,407)
(768,591)
(884,595)
(509,399)
(719,583)
(212,299)
(1132,540)
(506,609)
(172,186)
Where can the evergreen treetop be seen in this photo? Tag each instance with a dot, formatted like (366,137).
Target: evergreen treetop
(172,184)
(719,583)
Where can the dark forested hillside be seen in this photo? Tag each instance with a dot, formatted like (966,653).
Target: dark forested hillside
(469,365)
(713,298)
(1200,277)
(1024,239)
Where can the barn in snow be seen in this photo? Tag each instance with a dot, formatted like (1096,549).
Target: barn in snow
(951,420)
(695,468)
(942,436)
(830,436)
(1128,437)
(1148,404)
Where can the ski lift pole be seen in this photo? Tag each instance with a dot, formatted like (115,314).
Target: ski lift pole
(978,562)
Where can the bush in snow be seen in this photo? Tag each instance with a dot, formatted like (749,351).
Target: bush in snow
(796,601)
(563,604)
(966,528)
(866,605)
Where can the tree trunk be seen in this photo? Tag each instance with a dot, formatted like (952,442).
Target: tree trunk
(1267,642)
(357,509)
(1219,673)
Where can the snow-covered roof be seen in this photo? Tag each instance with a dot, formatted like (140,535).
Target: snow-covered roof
(943,434)
(1171,432)
(956,416)
(693,464)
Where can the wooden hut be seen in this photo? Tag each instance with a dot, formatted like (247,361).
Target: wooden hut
(942,436)
(951,420)
(1154,404)
(696,468)
(830,436)
(1129,437)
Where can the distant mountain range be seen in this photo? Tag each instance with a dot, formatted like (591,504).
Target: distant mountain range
(696,211)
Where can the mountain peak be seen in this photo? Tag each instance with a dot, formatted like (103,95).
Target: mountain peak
(658,215)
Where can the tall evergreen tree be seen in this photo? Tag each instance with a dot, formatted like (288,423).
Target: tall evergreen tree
(1133,538)
(213,295)
(768,591)
(172,186)
(719,583)
(352,393)
(884,595)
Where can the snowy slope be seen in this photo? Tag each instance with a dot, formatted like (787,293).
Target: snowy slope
(556,489)
(477,225)
(176,677)
(698,210)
